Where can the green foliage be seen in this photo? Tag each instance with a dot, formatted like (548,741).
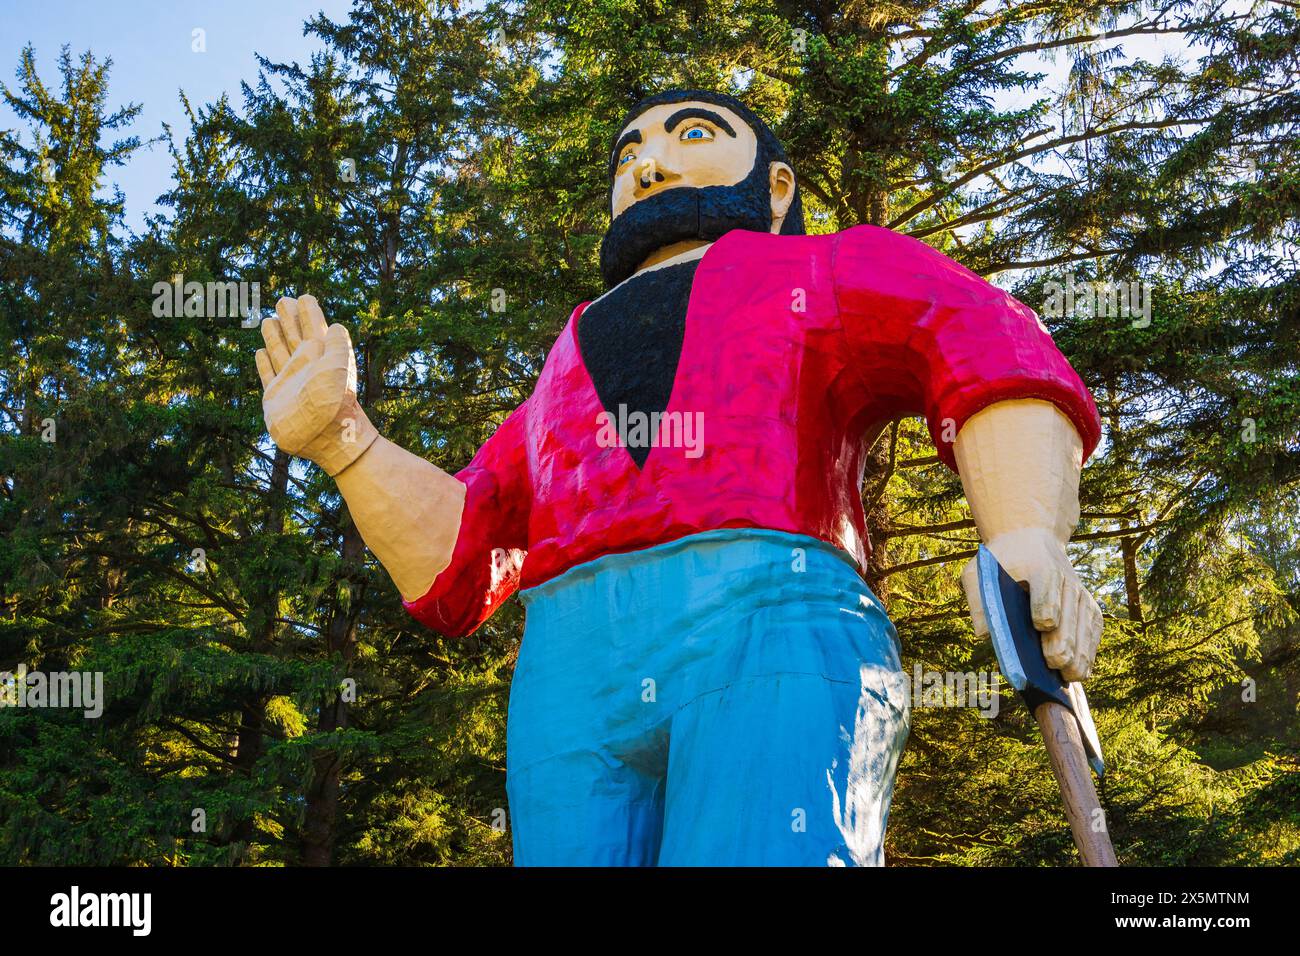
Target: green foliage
(261,676)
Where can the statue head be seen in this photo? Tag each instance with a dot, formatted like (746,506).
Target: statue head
(689,166)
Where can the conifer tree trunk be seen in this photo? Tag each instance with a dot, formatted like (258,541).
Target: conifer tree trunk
(1132,597)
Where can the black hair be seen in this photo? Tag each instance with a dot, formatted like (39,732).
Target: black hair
(769,150)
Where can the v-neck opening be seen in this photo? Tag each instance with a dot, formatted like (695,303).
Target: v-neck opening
(576,325)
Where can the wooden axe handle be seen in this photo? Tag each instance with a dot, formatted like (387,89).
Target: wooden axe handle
(1074,776)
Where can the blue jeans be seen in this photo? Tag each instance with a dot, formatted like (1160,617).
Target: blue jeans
(733,698)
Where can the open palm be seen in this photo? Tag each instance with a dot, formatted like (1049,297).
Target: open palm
(309,378)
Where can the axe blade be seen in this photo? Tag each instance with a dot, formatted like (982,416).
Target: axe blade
(1019,650)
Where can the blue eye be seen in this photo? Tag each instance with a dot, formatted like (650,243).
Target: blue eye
(626,158)
(697,133)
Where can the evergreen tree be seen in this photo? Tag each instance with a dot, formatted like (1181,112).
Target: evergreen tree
(436,177)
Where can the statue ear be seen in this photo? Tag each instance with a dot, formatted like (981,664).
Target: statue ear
(780,179)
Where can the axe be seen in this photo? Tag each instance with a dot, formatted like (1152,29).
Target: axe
(1060,708)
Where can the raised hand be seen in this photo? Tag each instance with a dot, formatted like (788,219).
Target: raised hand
(309,381)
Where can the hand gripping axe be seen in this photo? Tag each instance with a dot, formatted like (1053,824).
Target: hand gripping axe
(1060,708)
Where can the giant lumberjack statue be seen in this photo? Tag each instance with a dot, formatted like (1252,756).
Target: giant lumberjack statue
(704,677)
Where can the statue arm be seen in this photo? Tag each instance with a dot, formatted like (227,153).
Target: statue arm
(1019,463)
(408,511)
(1004,407)
(453,545)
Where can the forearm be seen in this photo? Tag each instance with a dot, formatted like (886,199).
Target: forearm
(1019,463)
(408,511)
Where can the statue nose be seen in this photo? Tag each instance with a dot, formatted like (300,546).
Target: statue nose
(648,173)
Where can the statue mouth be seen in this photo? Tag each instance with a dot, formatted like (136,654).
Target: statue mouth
(673,212)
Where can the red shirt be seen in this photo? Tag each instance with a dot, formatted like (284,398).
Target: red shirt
(796,349)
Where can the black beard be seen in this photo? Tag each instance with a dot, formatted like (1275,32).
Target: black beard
(684,213)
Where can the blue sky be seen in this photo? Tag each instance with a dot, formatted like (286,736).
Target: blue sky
(150,44)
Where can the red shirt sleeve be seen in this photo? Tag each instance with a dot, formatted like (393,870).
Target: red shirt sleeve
(930,336)
(493,536)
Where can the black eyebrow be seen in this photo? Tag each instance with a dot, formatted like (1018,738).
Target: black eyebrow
(695,112)
(631,136)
